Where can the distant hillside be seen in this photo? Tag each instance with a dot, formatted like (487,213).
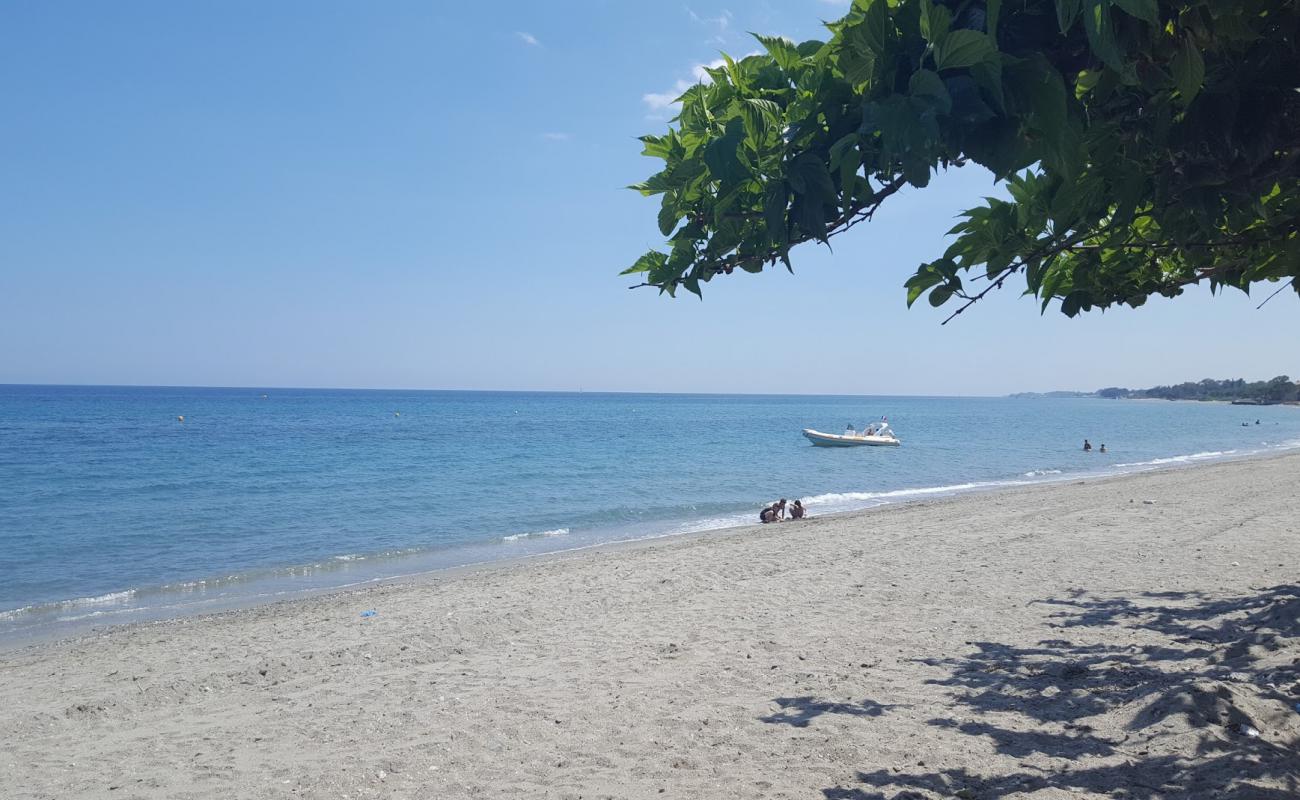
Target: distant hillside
(1278,390)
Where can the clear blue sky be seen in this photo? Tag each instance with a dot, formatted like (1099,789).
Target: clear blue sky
(416,194)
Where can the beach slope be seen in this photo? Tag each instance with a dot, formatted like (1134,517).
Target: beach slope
(1134,637)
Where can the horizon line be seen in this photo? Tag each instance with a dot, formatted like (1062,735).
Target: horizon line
(488,391)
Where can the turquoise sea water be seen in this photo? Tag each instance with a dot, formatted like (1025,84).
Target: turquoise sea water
(113,510)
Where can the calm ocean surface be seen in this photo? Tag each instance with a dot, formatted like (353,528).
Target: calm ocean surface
(112,510)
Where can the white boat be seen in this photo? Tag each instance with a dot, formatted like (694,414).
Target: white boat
(874,436)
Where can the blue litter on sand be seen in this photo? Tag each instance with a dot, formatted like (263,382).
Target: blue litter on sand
(369,613)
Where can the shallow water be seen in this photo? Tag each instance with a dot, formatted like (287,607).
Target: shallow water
(112,509)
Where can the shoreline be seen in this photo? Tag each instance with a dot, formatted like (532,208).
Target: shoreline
(1083,639)
(84,628)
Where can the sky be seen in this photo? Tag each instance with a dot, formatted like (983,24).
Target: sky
(431,195)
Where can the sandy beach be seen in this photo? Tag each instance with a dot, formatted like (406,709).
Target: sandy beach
(1129,637)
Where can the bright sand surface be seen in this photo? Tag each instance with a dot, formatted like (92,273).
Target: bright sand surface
(1121,637)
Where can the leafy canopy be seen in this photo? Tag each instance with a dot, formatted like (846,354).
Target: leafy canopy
(1145,145)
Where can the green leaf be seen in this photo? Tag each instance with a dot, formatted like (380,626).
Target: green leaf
(811,48)
(655,184)
(988,76)
(842,145)
(1101,32)
(877,27)
(1039,88)
(940,295)
(810,215)
(650,261)
(857,66)
(962,48)
(1086,81)
(775,201)
(721,157)
(1073,302)
(1189,70)
(1067,11)
(999,147)
(783,51)
(935,21)
(928,86)
(760,117)
(668,217)
(924,278)
(656,146)
(909,134)
(992,10)
(849,163)
(1078,201)
(1145,10)
(809,177)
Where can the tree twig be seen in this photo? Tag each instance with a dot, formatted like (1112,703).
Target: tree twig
(1280,289)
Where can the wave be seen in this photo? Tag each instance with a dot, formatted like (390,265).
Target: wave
(518,537)
(1183,459)
(109,599)
(1038,473)
(716,523)
(843,497)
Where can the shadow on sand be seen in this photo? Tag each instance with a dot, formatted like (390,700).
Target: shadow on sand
(1209,711)
(799,711)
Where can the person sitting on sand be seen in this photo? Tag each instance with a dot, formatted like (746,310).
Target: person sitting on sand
(773,513)
(796,510)
(1087,446)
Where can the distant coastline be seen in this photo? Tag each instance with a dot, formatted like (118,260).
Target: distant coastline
(1277,391)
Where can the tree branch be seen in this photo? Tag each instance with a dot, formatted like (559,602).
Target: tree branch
(833,228)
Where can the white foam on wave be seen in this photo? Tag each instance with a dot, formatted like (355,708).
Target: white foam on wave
(109,599)
(94,614)
(716,523)
(350,557)
(518,537)
(104,599)
(1183,459)
(860,497)
(15,613)
(1037,473)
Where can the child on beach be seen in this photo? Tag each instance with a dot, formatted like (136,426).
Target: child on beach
(796,510)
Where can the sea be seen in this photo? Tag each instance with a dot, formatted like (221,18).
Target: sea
(122,504)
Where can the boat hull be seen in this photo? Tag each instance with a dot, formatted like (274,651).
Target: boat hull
(820,439)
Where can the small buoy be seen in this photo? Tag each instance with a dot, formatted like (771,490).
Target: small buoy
(180,417)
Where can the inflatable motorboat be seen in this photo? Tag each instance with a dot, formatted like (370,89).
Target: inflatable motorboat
(874,436)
